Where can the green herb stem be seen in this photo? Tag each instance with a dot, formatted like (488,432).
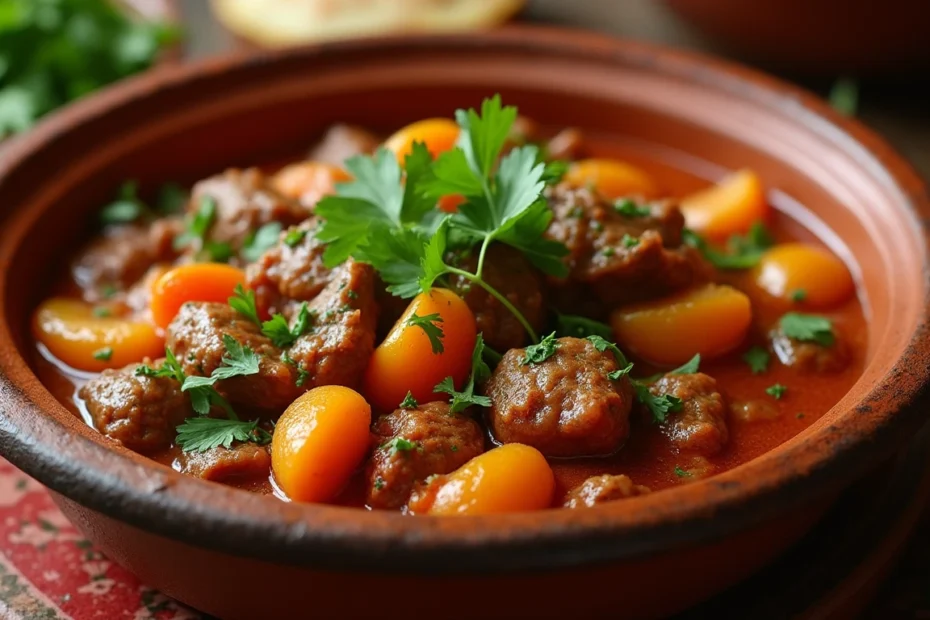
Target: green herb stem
(504,301)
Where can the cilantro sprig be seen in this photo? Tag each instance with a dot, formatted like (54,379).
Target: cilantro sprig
(395,227)
(539,353)
(808,328)
(480,371)
(282,335)
(758,359)
(202,434)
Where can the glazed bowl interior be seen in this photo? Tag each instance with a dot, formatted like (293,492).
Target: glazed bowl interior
(180,125)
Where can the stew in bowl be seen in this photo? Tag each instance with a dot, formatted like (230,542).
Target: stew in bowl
(472,315)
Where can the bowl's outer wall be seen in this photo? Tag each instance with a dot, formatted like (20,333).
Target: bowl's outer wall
(652,587)
(187,123)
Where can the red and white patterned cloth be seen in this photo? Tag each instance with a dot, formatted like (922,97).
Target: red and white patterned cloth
(48,571)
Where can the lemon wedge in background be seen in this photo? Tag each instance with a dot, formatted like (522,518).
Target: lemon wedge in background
(279,23)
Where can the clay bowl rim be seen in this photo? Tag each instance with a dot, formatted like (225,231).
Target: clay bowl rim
(36,436)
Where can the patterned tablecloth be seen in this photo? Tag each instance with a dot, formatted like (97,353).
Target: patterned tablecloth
(48,571)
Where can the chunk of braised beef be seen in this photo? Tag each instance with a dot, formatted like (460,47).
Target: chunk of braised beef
(336,351)
(564,406)
(139,412)
(700,426)
(619,257)
(507,271)
(811,357)
(605,488)
(241,462)
(341,142)
(414,444)
(195,336)
(292,270)
(245,201)
(122,255)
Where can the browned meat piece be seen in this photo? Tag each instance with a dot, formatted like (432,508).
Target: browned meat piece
(414,444)
(337,350)
(195,336)
(342,142)
(620,258)
(139,412)
(701,425)
(245,201)
(334,351)
(118,258)
(563,406)
(245,461)
(606,488)
(506,270)
(292,270)
(810,356)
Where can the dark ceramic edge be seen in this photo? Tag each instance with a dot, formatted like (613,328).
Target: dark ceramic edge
(202,514)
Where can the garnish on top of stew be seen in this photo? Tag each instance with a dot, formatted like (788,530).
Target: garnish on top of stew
(471,316)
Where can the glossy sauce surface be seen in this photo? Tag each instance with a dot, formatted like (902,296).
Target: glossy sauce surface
(648,456)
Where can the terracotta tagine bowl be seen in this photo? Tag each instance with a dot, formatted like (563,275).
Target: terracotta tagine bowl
(239,555)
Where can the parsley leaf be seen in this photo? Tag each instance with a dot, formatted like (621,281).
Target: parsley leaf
(263,240)
(744,252)
(688,368)
(198,226)
(554,171)
(302,373)
(281,334)
(580,327)
(615,375)
(239,361)
(758,359)
(430,325)
(808,328)
(202,434)
(602,344)
(170,369)
(539,353)
(628,208)
(243,302)
(798,295)
(479,372)
(659,406)
(202,397)
(776,391)
(482,137)
(126,208)
(409,402)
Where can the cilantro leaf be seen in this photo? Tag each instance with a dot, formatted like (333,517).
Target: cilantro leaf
(758,359)
(400,445)
(554,171)
(451,175)
(243,302)
(126,208)
(281,334)
(399,256)
(580,327)
(776,391)
(430,325)
(615,375)
(263,240)
(294,236)
(202,434)
(203,397)
(527,235)
(198,226)
(539,353)
(744,252)
(482,137)
(602,344)
(690,367)
(409,402)
(169,369)
(479,372)
(658,406)
(808,328)
(239,361)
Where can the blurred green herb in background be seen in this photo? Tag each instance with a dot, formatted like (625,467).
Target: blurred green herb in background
(54,51)
(844,96)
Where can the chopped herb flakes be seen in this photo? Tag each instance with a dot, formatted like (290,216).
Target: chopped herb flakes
(628,208)
(776,391)
(798,295)
(400,444)
(682,473)
(104,354)
(629,241)
(758,359)
(294,236)
(409,402)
